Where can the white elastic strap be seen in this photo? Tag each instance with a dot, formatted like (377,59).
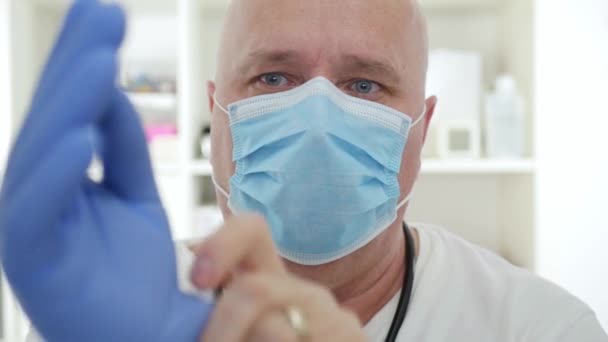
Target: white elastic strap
(420,117)
(219,105)
(220,188)
(411,194)
(405,200)
(217,185)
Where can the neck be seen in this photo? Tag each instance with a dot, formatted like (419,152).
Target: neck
(367,279)
(368,294)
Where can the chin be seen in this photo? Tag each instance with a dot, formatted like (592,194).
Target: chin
(317,273)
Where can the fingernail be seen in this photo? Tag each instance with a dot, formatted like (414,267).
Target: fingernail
(203,272)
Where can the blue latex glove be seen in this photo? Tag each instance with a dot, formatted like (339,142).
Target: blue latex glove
(89,261)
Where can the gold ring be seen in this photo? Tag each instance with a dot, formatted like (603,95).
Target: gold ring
(297,322)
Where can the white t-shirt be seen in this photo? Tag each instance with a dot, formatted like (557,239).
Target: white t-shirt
(462,292)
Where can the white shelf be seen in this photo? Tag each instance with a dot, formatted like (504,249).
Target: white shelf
(163,102)
(215,5)
(141,6)
(151,6)
(434,5)
(201,167)
(480,167)
(96,169)
(166,167)
(52,5)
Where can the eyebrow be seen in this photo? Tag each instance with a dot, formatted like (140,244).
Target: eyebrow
(349,64)
(369,66)
(261,57)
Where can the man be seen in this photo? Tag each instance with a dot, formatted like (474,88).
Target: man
(377,51)
(319,117)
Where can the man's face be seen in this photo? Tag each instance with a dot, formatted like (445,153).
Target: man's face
(374,50)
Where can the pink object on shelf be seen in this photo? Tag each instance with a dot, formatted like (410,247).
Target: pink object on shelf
(155,131)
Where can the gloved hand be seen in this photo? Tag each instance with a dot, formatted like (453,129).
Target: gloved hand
(90,261)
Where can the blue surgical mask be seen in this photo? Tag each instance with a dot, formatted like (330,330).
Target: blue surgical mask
(321,167)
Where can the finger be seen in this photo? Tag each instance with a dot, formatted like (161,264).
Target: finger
(244,242)
(274,327)
(80,100)
(339,324)
(252,296)
(127,169)
(99,27)
(70,25)
(322,321)
(93,24)
(28,216)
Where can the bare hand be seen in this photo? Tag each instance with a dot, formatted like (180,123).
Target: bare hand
(258,289)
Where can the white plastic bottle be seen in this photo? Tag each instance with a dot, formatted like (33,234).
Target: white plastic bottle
(505,120)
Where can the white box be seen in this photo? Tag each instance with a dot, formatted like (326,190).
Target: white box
(459,139)
(455,77)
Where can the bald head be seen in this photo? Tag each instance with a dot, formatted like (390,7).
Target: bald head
(322,36)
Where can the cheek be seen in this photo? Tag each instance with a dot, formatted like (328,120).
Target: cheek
(221,149)
(410,163)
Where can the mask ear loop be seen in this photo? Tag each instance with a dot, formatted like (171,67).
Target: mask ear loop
(420,117)
(215,183)
(405,200)
(224,193)
(411,194)
(219,187)
(219,105)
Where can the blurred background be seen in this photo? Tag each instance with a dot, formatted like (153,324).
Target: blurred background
(516,160)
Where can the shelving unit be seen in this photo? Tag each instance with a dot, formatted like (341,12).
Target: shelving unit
(478,167)
(201,167)
(6,94)
(157,101)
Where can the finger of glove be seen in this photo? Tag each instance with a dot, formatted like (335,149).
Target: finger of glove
(127,168)
(30,219)
(81,99)
(70,27)
(93,25)
(189,316)
(100,26)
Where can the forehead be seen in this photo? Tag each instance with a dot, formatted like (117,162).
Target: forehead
(324,30)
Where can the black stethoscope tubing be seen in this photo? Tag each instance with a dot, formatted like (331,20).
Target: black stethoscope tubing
(406,291)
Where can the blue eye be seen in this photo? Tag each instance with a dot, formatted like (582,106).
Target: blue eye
(274,80)
(364,87)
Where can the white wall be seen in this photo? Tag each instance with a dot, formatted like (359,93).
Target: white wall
(439,199)
(25,60)
(5,80)
(10,319)
(572,147)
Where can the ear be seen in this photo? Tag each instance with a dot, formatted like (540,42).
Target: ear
(431,104)
(210,93)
